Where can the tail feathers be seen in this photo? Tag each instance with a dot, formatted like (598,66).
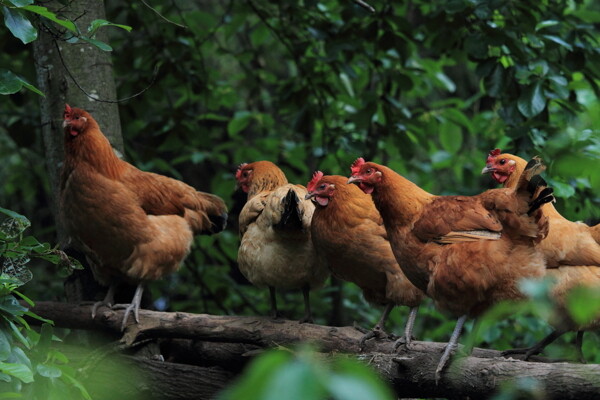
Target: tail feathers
(291,216)
(533,187)
(208,215)
(545,196)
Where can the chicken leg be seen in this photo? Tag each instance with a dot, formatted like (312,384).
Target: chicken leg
(379,328)
(538,347)
(108,301)
(307,311)
(450,347)
(133,306)
(410,323)
(275,314)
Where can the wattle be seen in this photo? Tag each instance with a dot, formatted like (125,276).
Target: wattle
(499,177)
(368,189)
(323,201)
(73,132)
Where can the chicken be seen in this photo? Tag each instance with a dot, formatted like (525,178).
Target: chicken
(568,243)
(133,226)
(571,251)
(276,250)
(465,252)
(343,214)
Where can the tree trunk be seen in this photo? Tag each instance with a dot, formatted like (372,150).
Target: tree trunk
(63,70)
(226,342)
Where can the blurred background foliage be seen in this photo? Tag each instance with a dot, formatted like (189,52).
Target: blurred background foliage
(426,87)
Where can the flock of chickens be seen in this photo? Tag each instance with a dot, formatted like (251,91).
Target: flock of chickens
(394,240)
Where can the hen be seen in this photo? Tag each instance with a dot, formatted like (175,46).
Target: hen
(344,214)
(133,226)
(571,251)
(276,250)
(466,252)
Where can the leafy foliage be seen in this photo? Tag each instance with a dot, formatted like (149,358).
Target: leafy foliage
(17,18)
(30,365)
(303,376)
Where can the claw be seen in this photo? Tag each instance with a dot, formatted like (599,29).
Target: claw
(108,301)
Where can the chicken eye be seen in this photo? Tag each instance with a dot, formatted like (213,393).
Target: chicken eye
(503,161)
(76,117)
(368,171)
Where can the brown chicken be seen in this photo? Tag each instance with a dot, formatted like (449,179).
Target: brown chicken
(276,250)
(344,213)
(571,251)
(568,243)
(133,226)
(466,252)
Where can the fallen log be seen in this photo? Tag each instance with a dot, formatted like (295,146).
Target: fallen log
(411,372)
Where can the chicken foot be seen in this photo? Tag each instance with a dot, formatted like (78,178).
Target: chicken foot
(410,323)
(538,347)
(450,347)
(133,306)
(108,301)
(379,328)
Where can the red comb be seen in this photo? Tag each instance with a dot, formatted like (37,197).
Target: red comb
(356,165)
(238,173)
(68,109)
(493,154)
(313,182)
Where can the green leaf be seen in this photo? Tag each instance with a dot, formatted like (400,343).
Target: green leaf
(99,23)
(48,371)
(99,44)
(347,84)
(546,24)
(559,41)
(43,11)
(19,371)
(583,303)
(20,3)
(5,345)
(240,120)
(532,101)
(19,25)
(494,82)
(451,137)
(11,83)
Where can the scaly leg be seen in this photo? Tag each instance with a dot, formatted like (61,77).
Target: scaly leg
(134,306)
(274,313)
(410,323)
(307,312)
(379,328)
(450,347)
(536,348)
(578,347)
(108,301)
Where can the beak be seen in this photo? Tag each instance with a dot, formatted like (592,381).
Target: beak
(66,123)
(487,169)
(354,179)
(309,195)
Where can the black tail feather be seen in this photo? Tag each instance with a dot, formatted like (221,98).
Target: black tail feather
(545,196)
(291,217)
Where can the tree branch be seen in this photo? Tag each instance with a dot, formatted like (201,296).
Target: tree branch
(411,372)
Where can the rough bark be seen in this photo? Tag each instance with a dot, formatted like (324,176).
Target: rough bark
(230,340)
(142,378)
(81,62)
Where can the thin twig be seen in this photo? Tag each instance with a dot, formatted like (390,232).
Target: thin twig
(62,60)
(363,5)
(162,16)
